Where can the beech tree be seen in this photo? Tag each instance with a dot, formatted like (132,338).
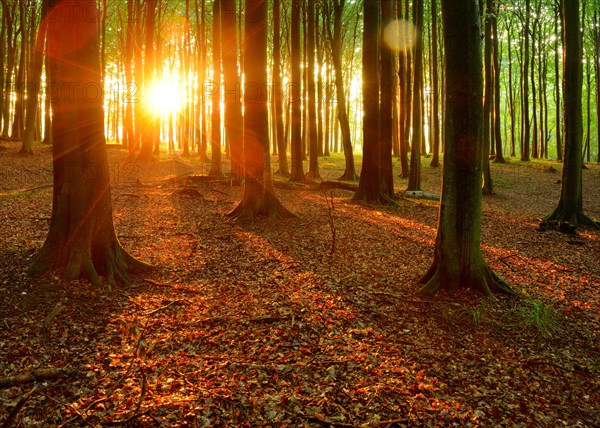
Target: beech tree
(82,238)
(569,214)
(259,197)
(376,180)
(458,260)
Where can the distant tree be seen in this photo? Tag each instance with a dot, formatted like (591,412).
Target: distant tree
(232,86)
(295,95)
(435,122)
(334,32)
(414,178)
(215,127)
(34,84)
(313,168)
(259,197)
(82,238)
(488,98)
(569,212)
(458,261)
(278,93)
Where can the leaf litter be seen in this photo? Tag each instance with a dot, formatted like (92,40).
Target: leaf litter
(261,324)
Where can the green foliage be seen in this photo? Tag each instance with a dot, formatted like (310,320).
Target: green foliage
(537,316)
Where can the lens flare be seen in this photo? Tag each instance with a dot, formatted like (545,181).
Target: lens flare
(400,35)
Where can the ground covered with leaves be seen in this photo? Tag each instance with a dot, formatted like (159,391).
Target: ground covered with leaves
(312,321)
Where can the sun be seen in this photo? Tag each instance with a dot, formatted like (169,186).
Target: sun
(164,97)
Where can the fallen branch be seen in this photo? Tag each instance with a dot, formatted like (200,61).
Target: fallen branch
(30,189)
(35,376)
(58,309)
(421,195)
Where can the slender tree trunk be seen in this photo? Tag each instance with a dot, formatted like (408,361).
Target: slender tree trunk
(569,212)
(496,76)
(488,188)
(336,44)
(278,92)
(19,108)
(34,84)
(313,142)
(435,123)
(295,96)
(414,179)
(215,128)
(525,95)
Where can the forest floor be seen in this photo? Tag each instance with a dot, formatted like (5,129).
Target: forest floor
(275,323)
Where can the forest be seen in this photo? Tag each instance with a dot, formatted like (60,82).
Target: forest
(340,213)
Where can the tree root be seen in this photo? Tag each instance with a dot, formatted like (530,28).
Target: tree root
(483,279)
(36,375)
(567,221)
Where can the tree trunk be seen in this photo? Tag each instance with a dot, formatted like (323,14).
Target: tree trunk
(336,44)
(569,212)
(278,92)
(259,198)
(369,185)
(488,187)
(414,179)
(232,87)
(525,95)
(458,261)
(295,96)
(435,122)
(215,128)
(149,118)
(496,76)
(313,142)
(34,83)
(82,238)
(558,82)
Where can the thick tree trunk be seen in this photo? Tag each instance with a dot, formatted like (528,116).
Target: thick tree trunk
(259,197)
(458,261)
(82,238)
(569,212)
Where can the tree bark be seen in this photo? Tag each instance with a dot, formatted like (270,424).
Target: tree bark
(313,143)
(34,84)
(414,178)
(232,87)
(569,212)
(82,238)
(295,96)
(215,87)
(259,197)
(278,92)
(458,261)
